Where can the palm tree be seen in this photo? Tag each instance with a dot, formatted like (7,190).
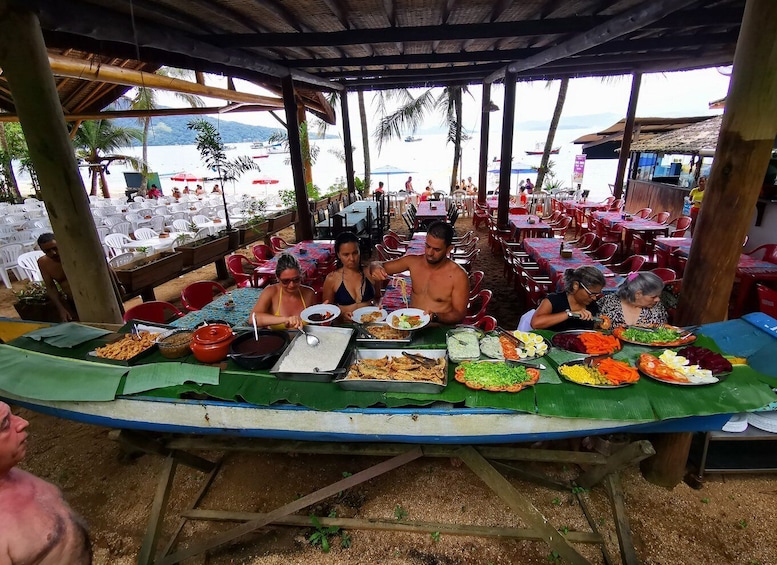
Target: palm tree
(146,99)
(12,146)
(95,142)
(412,111)
(365,139)
(562,96)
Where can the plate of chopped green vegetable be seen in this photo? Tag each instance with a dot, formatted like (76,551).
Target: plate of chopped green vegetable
(654,336)
(496,377)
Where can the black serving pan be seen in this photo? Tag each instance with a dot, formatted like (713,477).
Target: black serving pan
(254,355)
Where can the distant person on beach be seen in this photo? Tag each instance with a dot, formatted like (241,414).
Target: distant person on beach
(186,190)
(176,193)
(216,189)
(154,192)
(529,186)
(379,190)
(36,524)
(440,286)
(427,193)
(53,274)
(409,185)
(199,191)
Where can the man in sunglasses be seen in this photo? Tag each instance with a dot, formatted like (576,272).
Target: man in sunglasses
(50,266)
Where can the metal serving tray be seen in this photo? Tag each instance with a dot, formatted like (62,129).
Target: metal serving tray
(375,342)
(324,376)
(469,330)
(376,385)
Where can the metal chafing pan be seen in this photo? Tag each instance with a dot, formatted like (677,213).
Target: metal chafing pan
(378,385)
(324,375)
(375,342)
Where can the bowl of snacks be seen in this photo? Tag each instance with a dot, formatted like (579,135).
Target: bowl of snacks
(320,314)
(176,344)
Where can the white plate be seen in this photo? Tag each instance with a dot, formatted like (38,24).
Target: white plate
(359,312)
(393,318)
(330,309)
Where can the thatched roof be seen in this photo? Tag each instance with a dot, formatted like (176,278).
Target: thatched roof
(373,44)
(701,137)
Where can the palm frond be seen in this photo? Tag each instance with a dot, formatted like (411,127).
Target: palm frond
(406,118)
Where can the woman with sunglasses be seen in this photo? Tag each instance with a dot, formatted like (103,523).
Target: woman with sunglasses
(637,302)
(574,308)
(350,285)
(280,304)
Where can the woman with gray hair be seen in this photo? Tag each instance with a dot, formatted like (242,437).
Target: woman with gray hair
(575,308)
(637,301)
(280,304)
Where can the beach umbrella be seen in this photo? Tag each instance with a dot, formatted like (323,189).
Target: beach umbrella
(389,170)
(265,180)
(517,169)
(185,177)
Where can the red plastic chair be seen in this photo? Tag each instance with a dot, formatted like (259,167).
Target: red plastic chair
(157,311)
(678,262)
(585,242)
(518,211)
(643,213)
(480,217)
(278,244)
(682,224)
(393,244)
(629,265)
(241,269)
(666,274)
(200,293)
(560,229)
(661,217)
(770,252)
(262,252)
(483,298)
(767,300)
(605,252)
(475,280)
(486,323)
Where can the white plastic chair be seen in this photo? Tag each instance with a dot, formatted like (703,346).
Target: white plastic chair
(145,233)
(200,219)
(157,223)
(115,243)
(9,256)
(28,262)
(121,259)
(122,227)
(181,225)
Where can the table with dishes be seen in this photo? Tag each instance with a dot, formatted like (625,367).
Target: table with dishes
(632,225)
(309,254)
(156,243)
(527,225)
(354,218)
(234,308)
(546,252)
(430,210)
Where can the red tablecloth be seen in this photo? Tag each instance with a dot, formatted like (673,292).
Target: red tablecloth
(308,253)
(392,296)
(545,252)
(522,227)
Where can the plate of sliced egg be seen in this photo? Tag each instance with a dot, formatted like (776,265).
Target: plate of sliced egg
(531,346)
(684,372)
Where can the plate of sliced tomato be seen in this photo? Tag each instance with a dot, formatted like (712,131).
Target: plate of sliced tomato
(658,370)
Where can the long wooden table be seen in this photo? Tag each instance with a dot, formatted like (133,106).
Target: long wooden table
(545,251)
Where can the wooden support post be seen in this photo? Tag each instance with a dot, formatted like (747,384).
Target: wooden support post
(25,64)
(154,528)
(506,166)
(631,454)
(348,145)
(628,130)
(622,526)
(297,164)
(485,122)
(741,158)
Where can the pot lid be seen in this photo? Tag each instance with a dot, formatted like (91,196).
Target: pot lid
(212,334)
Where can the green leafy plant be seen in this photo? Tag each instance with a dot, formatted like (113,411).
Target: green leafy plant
(141,249)
(400,513)
(556,501)
(742,523)
(705,500)
(33,292)
(321,536)
(345,540)
(579,490)
(554,557)
(254,211)
(346,474)
(435,537)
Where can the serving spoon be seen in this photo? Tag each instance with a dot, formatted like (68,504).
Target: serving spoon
(311,339)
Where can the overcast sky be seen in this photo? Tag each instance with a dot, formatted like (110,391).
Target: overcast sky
(661,95)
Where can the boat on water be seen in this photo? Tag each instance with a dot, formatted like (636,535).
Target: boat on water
(412,138)
(277,148)
(230,147)
(258,145)
(539,149)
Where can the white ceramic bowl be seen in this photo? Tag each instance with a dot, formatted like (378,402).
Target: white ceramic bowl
(359,313)
(320,314)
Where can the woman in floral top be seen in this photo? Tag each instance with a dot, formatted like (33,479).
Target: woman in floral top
(637,301)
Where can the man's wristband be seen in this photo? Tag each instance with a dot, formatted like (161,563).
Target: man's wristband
(435,317)
(569,313)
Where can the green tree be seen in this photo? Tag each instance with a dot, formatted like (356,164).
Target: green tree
(96,141)
(562,96)
(12,146)
(146,99)
(412,111)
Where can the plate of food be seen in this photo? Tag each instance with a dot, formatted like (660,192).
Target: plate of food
(654,336)
(589,342)
(408,319)
(369,314)
(496,377)
(393,370)
(320,314)
(691,366)
(599,372)
(127,349)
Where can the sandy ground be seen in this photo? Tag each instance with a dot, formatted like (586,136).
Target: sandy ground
(730,520)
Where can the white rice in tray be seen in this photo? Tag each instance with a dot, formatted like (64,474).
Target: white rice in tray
(301,358)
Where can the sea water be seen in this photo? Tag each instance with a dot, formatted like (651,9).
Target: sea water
(431,158)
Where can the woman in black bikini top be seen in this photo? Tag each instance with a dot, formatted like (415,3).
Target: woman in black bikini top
(349,286)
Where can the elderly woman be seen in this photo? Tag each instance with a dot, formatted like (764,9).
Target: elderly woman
(637,301)
(280,305)
(350,285)
(574,308)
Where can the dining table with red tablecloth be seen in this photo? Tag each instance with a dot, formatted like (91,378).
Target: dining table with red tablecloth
(546,252)
(522,228)
(392,294)
(309,254)
(430,210)
(665,246)
(647,229)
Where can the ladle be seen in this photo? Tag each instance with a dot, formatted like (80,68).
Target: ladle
(256,329)
(311,339)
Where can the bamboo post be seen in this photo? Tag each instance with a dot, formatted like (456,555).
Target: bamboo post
(628,130)
(25,64)
(744,147)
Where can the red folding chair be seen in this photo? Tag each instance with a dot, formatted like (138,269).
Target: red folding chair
(157,311)
(767,300)
(665,274)
(262,252)
(241,269)
(200,293)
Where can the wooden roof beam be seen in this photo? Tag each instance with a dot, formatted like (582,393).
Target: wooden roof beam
(160,112)
(618,26)
(109,27)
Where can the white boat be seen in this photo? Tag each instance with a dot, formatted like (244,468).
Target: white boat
(258,145)
(277,148)
(412,138)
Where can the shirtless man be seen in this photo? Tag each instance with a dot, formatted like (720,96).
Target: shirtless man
(50,266)
(37,527)
(440,286)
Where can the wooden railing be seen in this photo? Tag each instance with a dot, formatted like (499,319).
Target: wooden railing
(658,196)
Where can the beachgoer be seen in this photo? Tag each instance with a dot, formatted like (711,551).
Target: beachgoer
(529,186)
(50,265)
(216,189)
(379,190)
(154,192)
(573,308)
(427,193)
(440,286)
(176,193)
(696,196)
(409,185)
(637,302)
(350,285)
(522,198)
(186,190)
(199,190)
(280,304)
(36,524)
